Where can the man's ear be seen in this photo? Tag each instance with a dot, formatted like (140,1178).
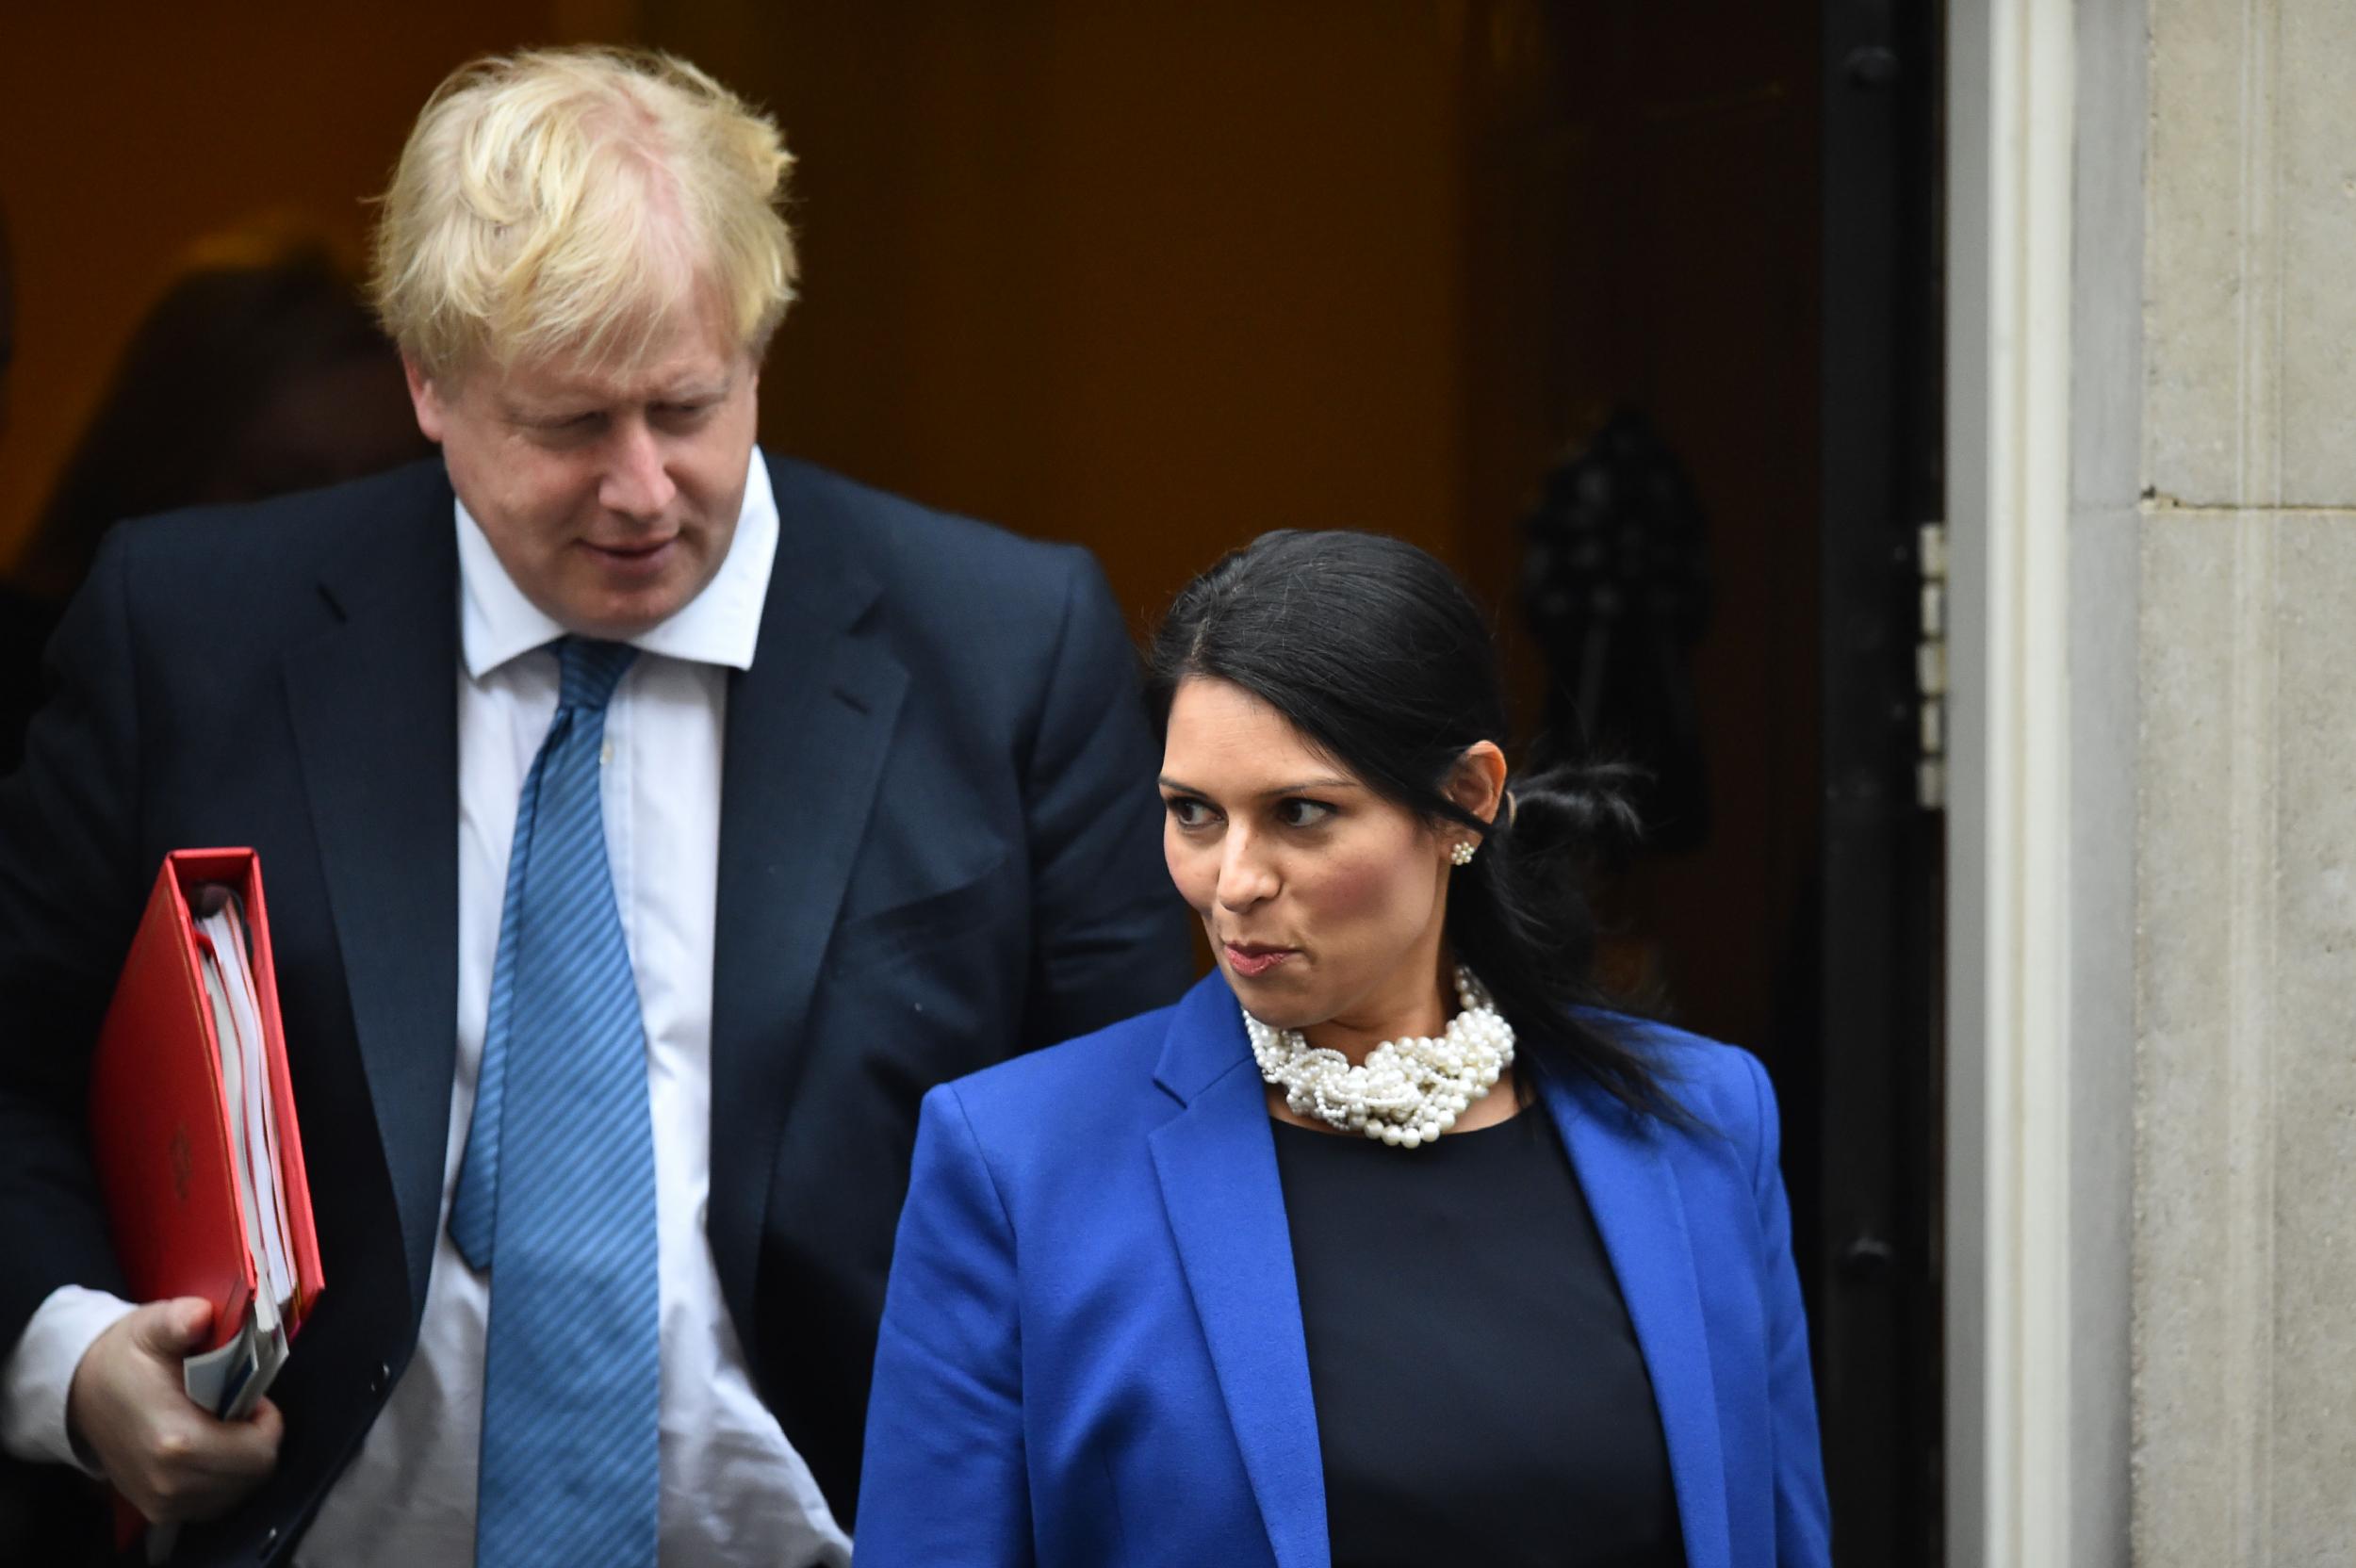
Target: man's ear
(1478,783)
(425,397)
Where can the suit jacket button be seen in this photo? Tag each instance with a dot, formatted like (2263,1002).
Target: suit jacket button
(380,1379)
(269,1539)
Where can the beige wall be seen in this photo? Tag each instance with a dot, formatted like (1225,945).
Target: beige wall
(2245,1262)
(2153,850)
(2170,1324)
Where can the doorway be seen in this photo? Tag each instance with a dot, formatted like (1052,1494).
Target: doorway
(1157,277)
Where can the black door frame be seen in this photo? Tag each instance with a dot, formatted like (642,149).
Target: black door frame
(1875,1293)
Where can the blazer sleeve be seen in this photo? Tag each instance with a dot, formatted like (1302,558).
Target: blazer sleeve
(1109,936)
(1803,1516)
(69,895)
(945,1483)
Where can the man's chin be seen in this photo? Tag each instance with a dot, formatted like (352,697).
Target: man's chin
(618,617)
(616,607)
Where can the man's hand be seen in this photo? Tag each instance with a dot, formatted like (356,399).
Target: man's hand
(128,1407)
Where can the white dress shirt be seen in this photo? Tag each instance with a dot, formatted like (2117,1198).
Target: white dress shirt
(734,1492)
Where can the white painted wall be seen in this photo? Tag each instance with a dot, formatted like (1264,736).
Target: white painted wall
(2012,94)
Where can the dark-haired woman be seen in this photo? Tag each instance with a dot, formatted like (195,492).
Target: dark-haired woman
(1384,1246)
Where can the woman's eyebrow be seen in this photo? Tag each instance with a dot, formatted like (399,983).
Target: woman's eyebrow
(1325,786)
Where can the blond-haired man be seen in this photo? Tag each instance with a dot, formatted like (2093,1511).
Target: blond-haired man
(647,823)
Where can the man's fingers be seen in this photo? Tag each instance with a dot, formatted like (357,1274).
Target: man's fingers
(127,1403)
(172,1329)
(239,1451)
(200,1468)
(247,1447)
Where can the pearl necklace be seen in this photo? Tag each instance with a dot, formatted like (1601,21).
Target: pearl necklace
(1407,1092)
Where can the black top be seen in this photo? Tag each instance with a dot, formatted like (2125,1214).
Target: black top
(1481,1397)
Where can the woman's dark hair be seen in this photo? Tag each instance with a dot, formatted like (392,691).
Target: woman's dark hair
(1373,651)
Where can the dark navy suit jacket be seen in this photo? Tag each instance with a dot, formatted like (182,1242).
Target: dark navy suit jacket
(1092,1350)
(938,845)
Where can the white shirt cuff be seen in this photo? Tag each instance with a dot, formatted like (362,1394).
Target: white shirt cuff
(40,1373)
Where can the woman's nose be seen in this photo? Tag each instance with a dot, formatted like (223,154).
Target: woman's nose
(1245,877)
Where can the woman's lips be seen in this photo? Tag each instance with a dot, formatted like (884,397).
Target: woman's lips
(1252,960)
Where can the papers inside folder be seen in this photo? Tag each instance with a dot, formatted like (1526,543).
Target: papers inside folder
(231,1379)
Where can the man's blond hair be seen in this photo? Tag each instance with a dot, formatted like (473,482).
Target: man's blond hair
(579,201)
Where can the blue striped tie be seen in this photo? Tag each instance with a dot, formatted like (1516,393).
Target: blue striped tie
(559,1179)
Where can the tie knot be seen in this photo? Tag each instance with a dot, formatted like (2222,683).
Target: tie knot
(590,670)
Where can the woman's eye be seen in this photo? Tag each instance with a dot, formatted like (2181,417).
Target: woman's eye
(1303,813)
(1189,814)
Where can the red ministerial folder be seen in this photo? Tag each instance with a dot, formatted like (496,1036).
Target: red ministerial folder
(161,1115)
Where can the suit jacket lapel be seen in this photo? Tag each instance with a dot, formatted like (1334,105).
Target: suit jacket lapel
(1633,1194)
(808,727)
(1216,1164)
(374,707)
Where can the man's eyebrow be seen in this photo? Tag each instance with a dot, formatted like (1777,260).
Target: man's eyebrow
(571,402)
(534,410)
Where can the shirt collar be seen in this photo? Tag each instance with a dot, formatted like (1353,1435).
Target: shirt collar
(718,625)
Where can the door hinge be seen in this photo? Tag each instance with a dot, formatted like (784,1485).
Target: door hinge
(1930,669)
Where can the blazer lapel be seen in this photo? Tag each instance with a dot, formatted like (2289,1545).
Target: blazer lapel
(808,727)
(374,707)
(1216,1164)
(1633,1194)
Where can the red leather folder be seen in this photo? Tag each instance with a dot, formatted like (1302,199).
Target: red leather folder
(159,1113)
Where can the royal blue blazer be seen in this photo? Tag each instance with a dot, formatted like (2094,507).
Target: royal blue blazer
(1092,1353)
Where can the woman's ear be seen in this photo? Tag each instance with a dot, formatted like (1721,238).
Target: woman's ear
(1478,782)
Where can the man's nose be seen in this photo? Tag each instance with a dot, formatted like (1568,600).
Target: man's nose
(637,481)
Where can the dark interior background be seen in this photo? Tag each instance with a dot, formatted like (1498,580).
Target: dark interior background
(1152,277)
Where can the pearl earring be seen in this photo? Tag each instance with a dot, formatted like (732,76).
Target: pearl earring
(1461,855)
